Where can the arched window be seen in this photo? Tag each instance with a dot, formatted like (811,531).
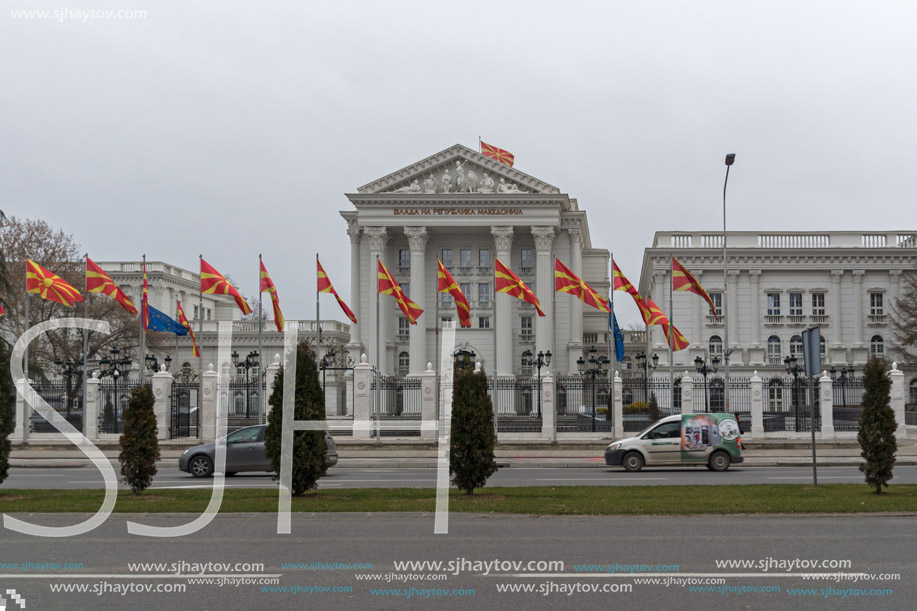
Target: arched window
(775,395)
(796,346)
(404,363)
(774,350)
(717,395)
(877,346)
(716,346)
(626,363)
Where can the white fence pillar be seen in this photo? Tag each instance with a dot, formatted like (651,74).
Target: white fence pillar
(687,394)
(618,406)
(208,405)
(826,405)
(270,374)
(428,413)
(21,432)
(897,399)
(93,406)
(362,399)
(162,402)
(757,405)
(548,411)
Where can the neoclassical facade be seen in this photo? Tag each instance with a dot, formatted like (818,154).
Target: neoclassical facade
(465,209)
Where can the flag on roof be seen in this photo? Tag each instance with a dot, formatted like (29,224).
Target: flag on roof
(497,154)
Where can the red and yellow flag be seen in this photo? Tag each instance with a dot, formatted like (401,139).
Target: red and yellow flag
(388,286)
(267,285)
(447,284)
(621,283)
(565,281)
(683,280)
(49,286)
(145,299)
(98,281)
(213,283)
(651,313)
(497,154)
(680,342)
(325,286)
(505,281)
(183,321)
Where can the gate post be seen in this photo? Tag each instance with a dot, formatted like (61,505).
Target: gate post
(826,405)
(362,401)
(270,374)
(548,411)
(618,406)
(207,420)
(93,406)
(897,399)
(428,402)
(21,432)
(687,394)
(757,405)
(162,402)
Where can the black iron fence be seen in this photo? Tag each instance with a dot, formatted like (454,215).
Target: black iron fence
(185,413)
(396,399)
(848,403)
(65,399)
(115,395)
(244,403)
(515,404)
(788,405)
(583,404)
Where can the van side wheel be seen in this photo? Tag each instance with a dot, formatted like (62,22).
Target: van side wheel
(719,461)
(633,461)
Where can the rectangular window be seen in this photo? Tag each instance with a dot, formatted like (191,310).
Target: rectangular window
(446,322)
(207,310)
(773,304)
(526,325)
(465,257)
(818,304)
(483,294)
(196,312)
(527,260)
(404,326)
(404,258)
(447,257)
(795,304)
(445,300)
(876,304)
(484,257)
(466,288)
(406,287)
(483,322)
(718,303)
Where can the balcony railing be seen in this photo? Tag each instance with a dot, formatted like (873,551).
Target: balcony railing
(484,304)
(466,270)
(877,319)
(403,337)
(797,319)
(484,270)
(527,338)
(526,270)
(713,321)
(404,269)
(773,319)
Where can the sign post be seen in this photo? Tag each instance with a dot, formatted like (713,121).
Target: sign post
(811,349)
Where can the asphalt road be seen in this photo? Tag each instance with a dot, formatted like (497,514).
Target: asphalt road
(407,477)
(690,547)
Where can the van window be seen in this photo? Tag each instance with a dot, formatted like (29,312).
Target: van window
(669,430)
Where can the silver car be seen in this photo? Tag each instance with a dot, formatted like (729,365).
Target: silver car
(244,452)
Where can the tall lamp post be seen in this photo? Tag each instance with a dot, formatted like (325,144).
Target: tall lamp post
(730,159)
(794,370)
(643,363)
(152,363)
(598,366)
(115,368)
(250,362)
(702,368)
(543,360)
(846,376)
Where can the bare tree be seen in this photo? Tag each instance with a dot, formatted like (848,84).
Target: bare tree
(904,319)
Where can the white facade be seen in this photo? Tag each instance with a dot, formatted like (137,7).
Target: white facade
(780,283)
(410,218)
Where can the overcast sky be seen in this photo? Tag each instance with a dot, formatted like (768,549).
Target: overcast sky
(233,128)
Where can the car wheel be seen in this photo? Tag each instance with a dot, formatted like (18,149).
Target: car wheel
(201,466)
(719,461)
(633,461)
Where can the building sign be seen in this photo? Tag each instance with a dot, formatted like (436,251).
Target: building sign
(457,211)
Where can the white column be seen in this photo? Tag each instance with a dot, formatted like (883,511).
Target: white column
(548,411)
(162,403)
(858,306)
(377,338)
(826,405)
(732,316)
(755,277)
(427,399)
(417,241)
(544,288)
(23,413)
(503,244)
(93,407)
(353,230)
(837,328)
(208,405)
(270,374)
(687,394)
(362,401)
(618,406)
(657,340)
(897,400)
(575,347)
(757,406)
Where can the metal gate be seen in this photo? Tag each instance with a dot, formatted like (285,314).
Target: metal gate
(116,394)
(396,399)
(582,405)
(184,414)
(68,402)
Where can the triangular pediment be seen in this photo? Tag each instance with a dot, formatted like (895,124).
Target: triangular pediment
(458,169)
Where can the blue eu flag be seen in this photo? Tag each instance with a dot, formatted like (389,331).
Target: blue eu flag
(161,322)
(619,337)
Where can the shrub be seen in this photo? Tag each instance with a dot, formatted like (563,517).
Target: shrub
(139,443)
(309,447)
(636,408)
(876,435)
(653,408)
(7,405)
(471,450)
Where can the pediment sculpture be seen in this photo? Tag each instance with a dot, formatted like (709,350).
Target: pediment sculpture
(458,179)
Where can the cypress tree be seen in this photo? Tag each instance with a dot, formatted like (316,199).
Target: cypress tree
(471,451)
(7,405)
(309,447)
(139,443)
(876,435)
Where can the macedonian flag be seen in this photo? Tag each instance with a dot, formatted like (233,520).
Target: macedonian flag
(651,313)
(497,154)
(183,321)
(98,281)
(621,283)
(505,281)
(388,286)
(680,342)
(267,285)
(447,284)
(325,286)
(49,286)
(145,299)
(565,281)
(683,280)
(213,283)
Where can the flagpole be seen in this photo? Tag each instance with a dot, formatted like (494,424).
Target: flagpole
(672,335)
(494,389)
(261,409)
(85,345)
(200,353)
(436,327)
(378,396)
(611,327)
(318,317)
(143,297)
(28,410)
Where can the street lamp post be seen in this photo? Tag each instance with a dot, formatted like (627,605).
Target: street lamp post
(730,159)
(643,362)
(250,362)
(702,368)
(68,370)
(794,370)
(543,360)
(598,367)
(152,363)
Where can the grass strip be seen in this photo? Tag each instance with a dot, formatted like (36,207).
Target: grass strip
(561,500)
